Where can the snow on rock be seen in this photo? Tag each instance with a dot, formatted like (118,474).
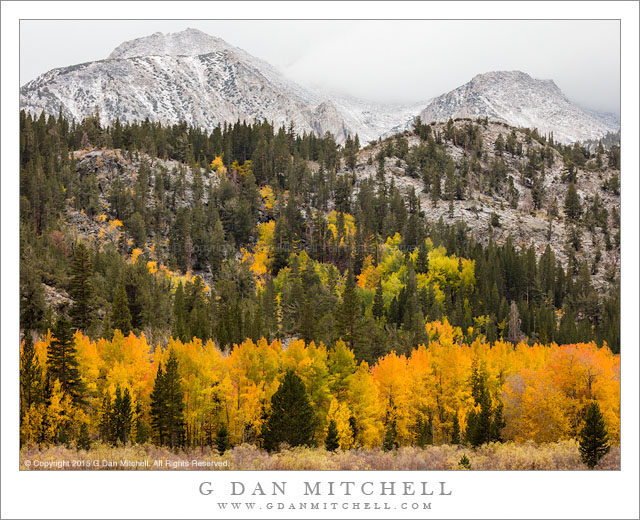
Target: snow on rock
(516,98)
(194,77)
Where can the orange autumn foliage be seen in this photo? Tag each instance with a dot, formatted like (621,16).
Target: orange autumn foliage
(544,388)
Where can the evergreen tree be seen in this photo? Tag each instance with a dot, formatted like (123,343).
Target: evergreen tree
(499,146)
(222,439)
(464,463)
(84,441)
(174,403)
(455,434)
(120,314)
(291,417)
(479,423)
(498,423)
(167,405)
(106,415)
(572,203)
(32,305)
(158,408)
(424,431)
(389,442)
(378,303)
(349,311)
(122,416)
(594,439)
(30,376)
(331,442)
(81,288)
(180,325)
(62,363)
(422,262)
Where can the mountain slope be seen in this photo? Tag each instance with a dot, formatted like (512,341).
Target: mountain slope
(194,77)
(519,100)
(202,90)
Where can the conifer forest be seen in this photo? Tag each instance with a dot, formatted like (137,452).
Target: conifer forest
(440,299)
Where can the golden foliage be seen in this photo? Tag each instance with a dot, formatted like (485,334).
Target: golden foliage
(544,388)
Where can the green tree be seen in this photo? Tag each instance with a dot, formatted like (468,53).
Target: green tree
(84,440)
(30,376)
(349,311)
(479,423)
(424,431)
(455,433)
(167,405)
(331,442)
(62,363)
(32,306)
(499,146)
(81,288)
(389,442)
(222,439)
(594,439)
(122,416)
(120,314)
(378,303)
(106,415)
(174,403)
(464,463)
(572,204)
(291,417)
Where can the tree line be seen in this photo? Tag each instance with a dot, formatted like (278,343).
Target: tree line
(77,391)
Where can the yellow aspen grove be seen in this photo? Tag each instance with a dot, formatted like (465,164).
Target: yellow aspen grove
(544,389)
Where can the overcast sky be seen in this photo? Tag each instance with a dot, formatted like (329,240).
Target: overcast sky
(386,61)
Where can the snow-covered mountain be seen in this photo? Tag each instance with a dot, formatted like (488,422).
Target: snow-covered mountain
(194,77)
(203,80)
(519,100)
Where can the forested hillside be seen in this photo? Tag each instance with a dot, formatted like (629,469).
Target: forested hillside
(441,249)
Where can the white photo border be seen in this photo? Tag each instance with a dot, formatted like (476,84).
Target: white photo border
(160,494)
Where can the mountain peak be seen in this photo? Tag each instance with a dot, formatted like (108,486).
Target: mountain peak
(514,97)
(503,74)
(189,42)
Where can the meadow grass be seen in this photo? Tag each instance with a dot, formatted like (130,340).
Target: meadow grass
(563,455)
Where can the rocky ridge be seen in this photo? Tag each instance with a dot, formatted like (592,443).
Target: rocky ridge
(516,98)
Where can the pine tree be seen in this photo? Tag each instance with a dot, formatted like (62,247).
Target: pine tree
(572,203)
(84,441)
(479,423)
(499,146)
(331,442)
(594,439)
(120,314)
(349,311)
(498,423)
(180,326)
(378,303)
(222,439)
(106,416)
(422,262)
(291,417)
(174,403)
(81,289)
(455,434)
(389,442)
(464,463)
(62,363)
(30,376)
(158,408)
(167,405)
(32,305)
(424,430)
(122,417)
